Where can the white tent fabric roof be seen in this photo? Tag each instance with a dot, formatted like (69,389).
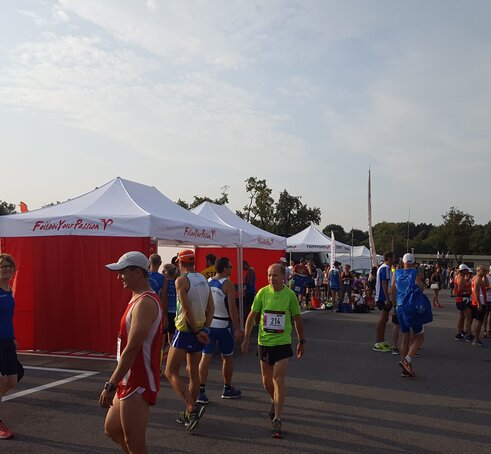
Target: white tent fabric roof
(360,258)
(313,240)
(120,208)
(251,236)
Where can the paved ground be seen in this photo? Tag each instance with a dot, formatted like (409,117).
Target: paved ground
(342,398)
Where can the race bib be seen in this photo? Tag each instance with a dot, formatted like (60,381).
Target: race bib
(274,322)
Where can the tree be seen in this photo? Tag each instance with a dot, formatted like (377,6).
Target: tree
(457,228)
(7,208)
(292,215)
(260,209)
(338,230)
(198,200)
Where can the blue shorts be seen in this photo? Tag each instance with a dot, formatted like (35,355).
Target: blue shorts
(417,329)
(225,339)
(186,341)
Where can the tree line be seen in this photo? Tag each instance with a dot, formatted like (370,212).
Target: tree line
(458,235)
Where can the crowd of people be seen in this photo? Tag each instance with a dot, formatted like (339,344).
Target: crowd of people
(194,313)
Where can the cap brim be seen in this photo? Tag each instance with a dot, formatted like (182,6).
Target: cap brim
(115,266)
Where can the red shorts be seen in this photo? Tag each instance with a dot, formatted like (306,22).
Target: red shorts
(125,391)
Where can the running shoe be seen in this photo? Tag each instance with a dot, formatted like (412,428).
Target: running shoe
(202,399)
(469,338)
(395,351)
(194,417)
(276,429)
(478,344)
(182,418)
(5,432)
(272,411)
(459,337)
(380,347)
(407,367)
(231,393)
(405,374)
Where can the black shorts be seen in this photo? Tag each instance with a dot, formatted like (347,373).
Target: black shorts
(8,357)
(382,307)
(479,315)
(463,305)
(271,355)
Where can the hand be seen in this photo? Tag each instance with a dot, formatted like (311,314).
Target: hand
(299,350)
(245,345)
(202,337)
(237,335)
(106,398)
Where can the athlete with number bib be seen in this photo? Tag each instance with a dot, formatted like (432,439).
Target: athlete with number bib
(277,306)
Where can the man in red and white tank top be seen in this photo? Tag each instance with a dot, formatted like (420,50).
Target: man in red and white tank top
(134,384)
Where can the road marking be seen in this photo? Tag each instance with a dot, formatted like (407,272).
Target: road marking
(50,355)
(80,375)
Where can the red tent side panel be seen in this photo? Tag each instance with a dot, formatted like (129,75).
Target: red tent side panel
(65,297)
(259,259)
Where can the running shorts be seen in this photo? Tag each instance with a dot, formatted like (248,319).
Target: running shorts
(271,355)
(186,341)
(225,339)
(125,391)
(8,357)
(417,329)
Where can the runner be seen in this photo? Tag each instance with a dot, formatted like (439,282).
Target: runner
(224,330)
(402,280)
(462,291)
(8,347)
(193,317)
(277,306)
(479,303)
(335,285)
(155,279)
(384,304)
(134,384)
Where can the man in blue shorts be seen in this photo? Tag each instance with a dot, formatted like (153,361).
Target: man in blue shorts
(410,345)
(278,307)
(224,330)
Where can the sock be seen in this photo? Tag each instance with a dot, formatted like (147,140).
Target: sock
(408,359)
(227,387)
(202,388)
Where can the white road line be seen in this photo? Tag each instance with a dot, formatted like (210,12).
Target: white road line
(49,355)
(81,374)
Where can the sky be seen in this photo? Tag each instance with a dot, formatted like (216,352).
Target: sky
(193,96)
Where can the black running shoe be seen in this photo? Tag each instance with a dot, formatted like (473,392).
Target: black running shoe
(193,420)
(276,429)
(459,337)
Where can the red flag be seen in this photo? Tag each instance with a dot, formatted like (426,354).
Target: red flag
(23,207)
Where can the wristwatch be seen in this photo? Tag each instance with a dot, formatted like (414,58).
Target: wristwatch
(301,341)
(109,387)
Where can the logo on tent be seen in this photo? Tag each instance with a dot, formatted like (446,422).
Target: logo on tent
(266,241)
(79,224)
(199,233)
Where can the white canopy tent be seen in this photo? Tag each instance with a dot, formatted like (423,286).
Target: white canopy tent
(313,240)
(65,297)
(359,259)
(120,208)
(251,236)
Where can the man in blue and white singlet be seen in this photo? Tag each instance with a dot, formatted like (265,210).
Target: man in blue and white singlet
(224,330)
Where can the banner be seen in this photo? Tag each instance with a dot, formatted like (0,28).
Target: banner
(333,250)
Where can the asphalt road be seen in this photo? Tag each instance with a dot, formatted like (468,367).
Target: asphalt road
(342,398)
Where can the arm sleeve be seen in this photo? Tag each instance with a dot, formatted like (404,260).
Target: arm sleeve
(258,301)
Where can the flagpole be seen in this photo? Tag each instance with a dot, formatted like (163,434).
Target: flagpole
(371,240)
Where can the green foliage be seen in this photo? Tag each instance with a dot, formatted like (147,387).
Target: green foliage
(292,216)
(7,208)
(339,233)
(457,228)
(198,200)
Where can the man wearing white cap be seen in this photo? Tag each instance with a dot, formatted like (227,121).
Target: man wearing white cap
(409,344)
(134,384)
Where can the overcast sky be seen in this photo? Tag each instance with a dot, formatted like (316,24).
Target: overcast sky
(189,96)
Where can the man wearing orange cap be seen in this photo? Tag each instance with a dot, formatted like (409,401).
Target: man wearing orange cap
(194,314)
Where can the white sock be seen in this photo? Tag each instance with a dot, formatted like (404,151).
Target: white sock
(408,359)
